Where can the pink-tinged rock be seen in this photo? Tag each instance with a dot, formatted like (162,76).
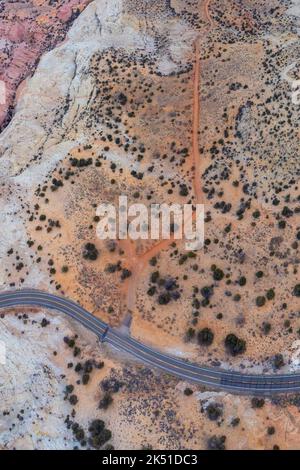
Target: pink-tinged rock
(65,12)
(17,32)
(27,31)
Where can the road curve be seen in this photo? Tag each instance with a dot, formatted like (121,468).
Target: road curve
(233,382)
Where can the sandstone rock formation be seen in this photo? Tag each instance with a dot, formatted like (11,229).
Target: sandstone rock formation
(27,30)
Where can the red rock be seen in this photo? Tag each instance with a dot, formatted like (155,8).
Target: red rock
(27,31)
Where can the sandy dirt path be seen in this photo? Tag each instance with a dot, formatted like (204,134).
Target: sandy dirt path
(138,263)
(195,129)
(207,12)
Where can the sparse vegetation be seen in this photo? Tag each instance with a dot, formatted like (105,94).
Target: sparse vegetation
(216,443)
(205,337)
(105,401)
(99,435)
(235,345)
(90,252)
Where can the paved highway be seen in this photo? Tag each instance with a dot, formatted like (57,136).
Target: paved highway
(234,382)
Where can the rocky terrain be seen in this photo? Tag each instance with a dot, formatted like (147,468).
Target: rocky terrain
(52,394)
(174,101)
(27,30)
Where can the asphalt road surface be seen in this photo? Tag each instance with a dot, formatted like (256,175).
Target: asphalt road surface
(210,377)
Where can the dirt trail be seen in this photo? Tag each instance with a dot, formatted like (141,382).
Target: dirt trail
(195,129)
(136,262)
(139,262)
(207,12)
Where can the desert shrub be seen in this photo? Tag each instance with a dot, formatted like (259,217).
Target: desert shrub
(111,385)
(235,422)
(270,294)
(235,345)
(271,430)
(105,401)
(164,298)
(85,379)
(190,334)
(296,291)
(266,328)
(260,301)
(90,252)
(257,402)
(99,435)
(216,443)
(214,411)
(218,274)
(205,337)
(73,400)
(278,361)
